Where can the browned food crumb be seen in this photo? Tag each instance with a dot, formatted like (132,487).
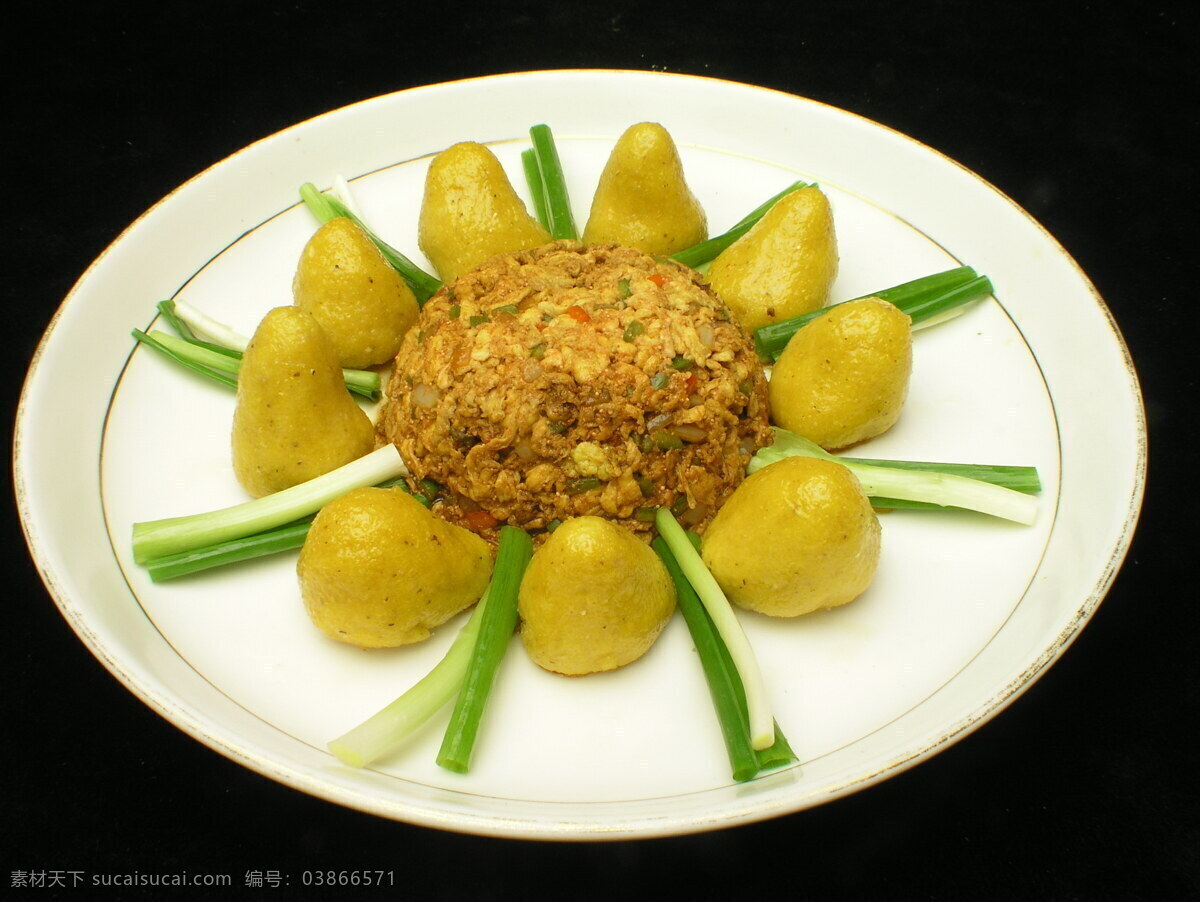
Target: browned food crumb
(570,380)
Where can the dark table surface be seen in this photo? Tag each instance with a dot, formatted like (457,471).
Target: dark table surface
(1084,789)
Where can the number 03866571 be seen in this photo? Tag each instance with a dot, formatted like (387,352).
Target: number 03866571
(348,878)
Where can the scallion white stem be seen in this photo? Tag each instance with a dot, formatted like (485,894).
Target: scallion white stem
(155,538)
(762,724)
(939,318)
(341,190)
(946,490)
(204,325)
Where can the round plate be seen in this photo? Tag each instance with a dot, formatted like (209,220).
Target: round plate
(965,613)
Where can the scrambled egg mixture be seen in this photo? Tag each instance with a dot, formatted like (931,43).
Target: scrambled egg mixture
(572,380)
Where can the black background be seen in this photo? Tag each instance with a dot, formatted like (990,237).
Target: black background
(1082,112)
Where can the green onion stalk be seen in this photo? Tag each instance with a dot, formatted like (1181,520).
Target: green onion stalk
(175,535)
(496,626)
(221,359)
(758,709)
(388,728)
(278,540)
(325,208)
(926,300)
(724,683)
(698,256)
(537,187)
(551,199)
(186,319)
(999,491)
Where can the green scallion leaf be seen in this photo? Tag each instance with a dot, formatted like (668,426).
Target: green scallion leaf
(557,202)
(922,299)
(537,188)
(583,484)
(499,620)
(665,441)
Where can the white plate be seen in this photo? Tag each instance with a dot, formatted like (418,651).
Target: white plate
(966,612)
